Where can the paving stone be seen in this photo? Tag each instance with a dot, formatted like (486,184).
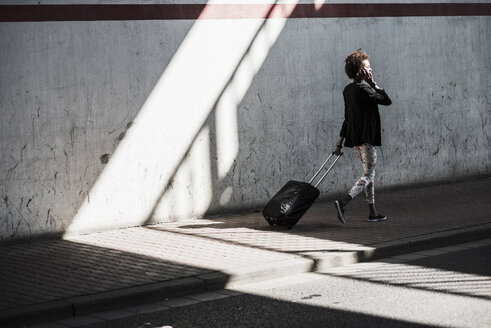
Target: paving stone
(410,257)
(112,315)
(49,325)
(394,260)
(431,252)
(209,296)
(229,292)
(79,321)
(367,265)
(229,244)
(147,308)
(478,243)
(178,302)
(449,249)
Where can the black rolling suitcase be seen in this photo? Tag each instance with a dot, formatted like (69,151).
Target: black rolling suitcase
(294,199)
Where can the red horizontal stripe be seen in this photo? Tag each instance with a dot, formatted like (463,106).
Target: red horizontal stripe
(102,12)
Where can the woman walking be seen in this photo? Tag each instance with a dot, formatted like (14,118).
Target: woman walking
(361,128)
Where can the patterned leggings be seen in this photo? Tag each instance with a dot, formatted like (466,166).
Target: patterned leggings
(368,157)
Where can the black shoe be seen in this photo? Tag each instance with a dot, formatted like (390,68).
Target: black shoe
(377,218)
(340,210)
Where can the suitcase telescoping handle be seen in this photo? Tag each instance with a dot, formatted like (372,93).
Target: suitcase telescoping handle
(322,167)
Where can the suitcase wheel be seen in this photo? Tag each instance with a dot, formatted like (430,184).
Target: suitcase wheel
(269,221)
(289,227)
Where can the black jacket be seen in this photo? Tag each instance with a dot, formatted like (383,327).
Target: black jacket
(361,117)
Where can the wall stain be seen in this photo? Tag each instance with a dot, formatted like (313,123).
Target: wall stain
(11,171)
(72,136)
(52,150)
(104,158)
(47,216)
(67,161)
(22,153)
(33,131)
(15,215)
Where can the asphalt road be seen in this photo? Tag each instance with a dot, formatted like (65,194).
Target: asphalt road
(446,290)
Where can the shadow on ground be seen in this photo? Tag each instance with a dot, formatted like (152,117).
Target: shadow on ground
(67,278)
(258,311)
(411,212)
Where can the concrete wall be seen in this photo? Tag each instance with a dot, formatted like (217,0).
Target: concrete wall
(107,124)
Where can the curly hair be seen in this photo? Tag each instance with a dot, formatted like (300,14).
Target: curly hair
(353,63)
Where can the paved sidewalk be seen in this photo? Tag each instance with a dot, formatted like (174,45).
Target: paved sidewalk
(56,279)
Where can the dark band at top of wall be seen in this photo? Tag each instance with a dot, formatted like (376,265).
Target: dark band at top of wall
(107,12)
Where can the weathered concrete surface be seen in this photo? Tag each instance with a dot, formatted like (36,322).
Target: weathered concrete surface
(114,124)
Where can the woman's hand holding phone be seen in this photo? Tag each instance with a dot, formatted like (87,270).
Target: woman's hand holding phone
(368,76)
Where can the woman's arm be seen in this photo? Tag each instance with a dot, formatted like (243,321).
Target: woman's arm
(375,93)
(339,145)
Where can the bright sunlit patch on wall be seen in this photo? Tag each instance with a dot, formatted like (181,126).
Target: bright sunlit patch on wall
(318,4)
(162,167)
